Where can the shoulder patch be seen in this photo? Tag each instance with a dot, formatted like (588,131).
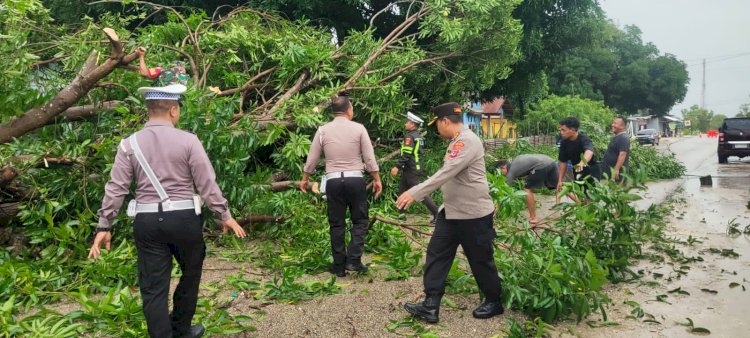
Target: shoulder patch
(407,141)
(456,150)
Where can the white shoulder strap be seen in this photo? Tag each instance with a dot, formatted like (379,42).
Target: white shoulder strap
(147,168)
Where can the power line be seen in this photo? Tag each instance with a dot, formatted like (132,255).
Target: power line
(719,58)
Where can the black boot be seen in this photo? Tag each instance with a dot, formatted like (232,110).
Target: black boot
(337,269)
(488,310)
(357,267)
(428,310)
(195,331)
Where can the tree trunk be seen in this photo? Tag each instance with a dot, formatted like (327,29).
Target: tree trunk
(8,212)
(89,75)
(84,112)
(286,185)
(7,174)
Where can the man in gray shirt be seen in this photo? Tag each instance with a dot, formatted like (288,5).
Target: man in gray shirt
(165,228)
(617,157)
(465,219)
(539,171)
(348,151)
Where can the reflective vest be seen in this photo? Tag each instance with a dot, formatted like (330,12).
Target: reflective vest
(412,145)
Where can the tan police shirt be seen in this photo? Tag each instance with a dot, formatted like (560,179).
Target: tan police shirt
(345,145)
(463,179)
(179,162)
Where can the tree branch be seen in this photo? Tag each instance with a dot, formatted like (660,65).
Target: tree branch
(7,175)
(392,36)
(298,85)
(249,220)
(248,84)
(399,223)
(65,98)
(416,63)
(286,185)
(44,62)
(79,113)
(45,162)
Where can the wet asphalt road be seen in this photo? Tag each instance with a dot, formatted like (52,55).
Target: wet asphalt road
(704,213)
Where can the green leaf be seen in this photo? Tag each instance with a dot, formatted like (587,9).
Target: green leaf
(700,330)
(679,291)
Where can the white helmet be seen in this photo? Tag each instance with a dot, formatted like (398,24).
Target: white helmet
(414,118)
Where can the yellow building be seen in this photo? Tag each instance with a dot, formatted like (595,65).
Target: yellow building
(498,127)
(494,123)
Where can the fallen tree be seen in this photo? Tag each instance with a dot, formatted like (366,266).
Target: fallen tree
(88,76)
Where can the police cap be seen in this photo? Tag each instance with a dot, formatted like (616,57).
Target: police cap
(444,110)
(171,92)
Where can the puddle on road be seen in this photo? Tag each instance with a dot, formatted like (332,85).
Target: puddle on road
(732,176)
(703,213)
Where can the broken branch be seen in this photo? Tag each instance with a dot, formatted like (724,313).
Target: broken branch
(87,78)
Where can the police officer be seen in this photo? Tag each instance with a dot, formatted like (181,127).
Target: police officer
(348,151)
(167,164)
(465,218)
(410,163)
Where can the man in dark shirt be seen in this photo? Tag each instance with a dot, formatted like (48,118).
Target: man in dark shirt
(578,149)
(538,170)
(617,158)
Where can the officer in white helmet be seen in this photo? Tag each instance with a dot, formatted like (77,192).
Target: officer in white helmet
(410,163)
(169,167)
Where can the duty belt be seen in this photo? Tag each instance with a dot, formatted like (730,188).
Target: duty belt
(338,174)
(166,206)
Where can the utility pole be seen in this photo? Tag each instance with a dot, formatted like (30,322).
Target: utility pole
(703,87)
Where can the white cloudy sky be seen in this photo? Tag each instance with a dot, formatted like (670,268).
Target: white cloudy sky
(693,30)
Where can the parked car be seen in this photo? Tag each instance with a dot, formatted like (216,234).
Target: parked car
(734,138)
(648,136)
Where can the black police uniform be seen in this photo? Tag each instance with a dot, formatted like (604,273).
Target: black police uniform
(410,165)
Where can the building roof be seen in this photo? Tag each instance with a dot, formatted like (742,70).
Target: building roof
(494,107)
(636,118)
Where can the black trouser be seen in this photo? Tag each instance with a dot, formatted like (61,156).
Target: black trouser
(351,193)
(592,174)
(475,237)
(410,178)
(158,237)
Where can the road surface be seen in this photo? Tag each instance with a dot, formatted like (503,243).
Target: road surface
(716,296)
